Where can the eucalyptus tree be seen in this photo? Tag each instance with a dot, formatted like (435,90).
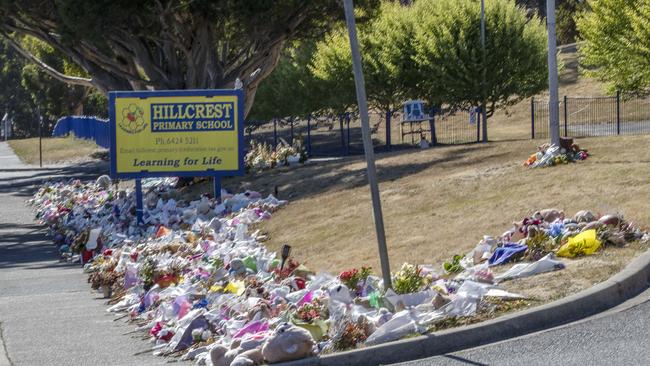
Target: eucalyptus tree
(168,44)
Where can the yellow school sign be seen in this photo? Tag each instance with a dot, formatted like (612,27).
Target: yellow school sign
(176,133)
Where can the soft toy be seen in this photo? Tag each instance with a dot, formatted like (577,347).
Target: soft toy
(584,216)
(610,220)
(549,215)
(241,353)
(339,292)
(104,181)
(237,267)
(288,343)
(204,210)
(249,358)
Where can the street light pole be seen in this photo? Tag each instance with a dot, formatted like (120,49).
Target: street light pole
(367,142)
(554,108)
(483,83)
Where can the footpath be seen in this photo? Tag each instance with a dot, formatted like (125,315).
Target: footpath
(48,314)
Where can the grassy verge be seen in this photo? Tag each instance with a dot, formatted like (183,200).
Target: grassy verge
(55,150)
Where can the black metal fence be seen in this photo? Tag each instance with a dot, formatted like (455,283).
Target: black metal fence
(340,135)
(593,116)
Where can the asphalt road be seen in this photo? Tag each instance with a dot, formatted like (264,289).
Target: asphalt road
(617,337)
(48,314)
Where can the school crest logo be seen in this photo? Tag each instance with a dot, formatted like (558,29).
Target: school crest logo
(132,120)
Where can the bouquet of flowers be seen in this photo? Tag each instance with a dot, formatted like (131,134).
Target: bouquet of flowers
(352,278)
(409,279)
(310,311)
(550,155)
(262,156)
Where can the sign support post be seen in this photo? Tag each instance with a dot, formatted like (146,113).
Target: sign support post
(139,208)
(217,188)
(367,142)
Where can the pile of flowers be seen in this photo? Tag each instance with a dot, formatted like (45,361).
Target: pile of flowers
(199,281)
(261,156)
(550,155)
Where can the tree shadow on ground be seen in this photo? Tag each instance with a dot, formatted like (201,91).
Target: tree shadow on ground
(24,182)
(22,249)
(322,177)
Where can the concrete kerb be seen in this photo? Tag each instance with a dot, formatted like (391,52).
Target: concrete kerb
(631,281)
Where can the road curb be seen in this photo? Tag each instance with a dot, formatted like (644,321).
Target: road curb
(632,280)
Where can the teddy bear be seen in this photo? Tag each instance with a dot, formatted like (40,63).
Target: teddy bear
(241,353)
(549,215)
(584,216)
(103,182)
(288,343)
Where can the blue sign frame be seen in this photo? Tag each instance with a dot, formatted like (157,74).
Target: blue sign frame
(176,93)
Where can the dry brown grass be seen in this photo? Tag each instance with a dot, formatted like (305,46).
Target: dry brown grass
(55,150)
(440,202)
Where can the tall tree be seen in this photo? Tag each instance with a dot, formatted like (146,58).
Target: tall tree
(448,53)
(568,11)
(617,44)
(168,44)
(27,90)
(290,90)
(52,97)
(387,66)
(14,98)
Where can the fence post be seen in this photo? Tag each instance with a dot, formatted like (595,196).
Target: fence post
(532,118)
(347,121)
(432,127)
(291,122)
(479,120)
(275,133)
(342,133)
(565,117)
(309,135)
(388,116)
(618,112)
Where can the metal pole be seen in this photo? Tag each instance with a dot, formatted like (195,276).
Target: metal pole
(566,117)
(432,127)
(342,134)
(291,121)
(553,108)
(532,118)
(367,143)
(479,121)
(483,109)
(275,133)
(217,188)
(40,138)
(309,135)
(618,112)
(139,210)
(347,121)
(388,116)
